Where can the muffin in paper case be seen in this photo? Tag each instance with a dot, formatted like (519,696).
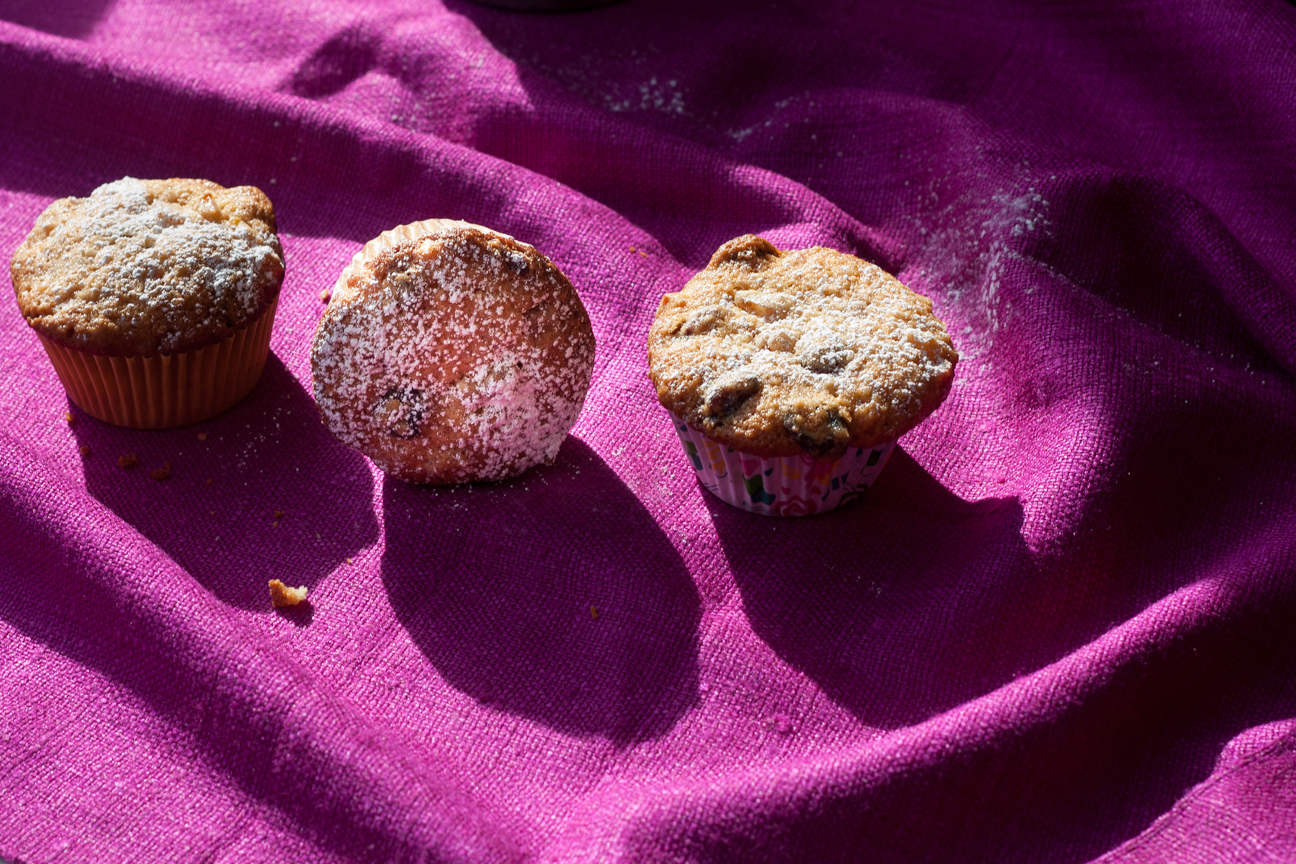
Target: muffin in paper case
(791,374)
(154,299)
(781,485)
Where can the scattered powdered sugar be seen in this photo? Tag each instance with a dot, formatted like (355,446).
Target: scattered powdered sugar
(808,351)
(130,265)
(457,355)
(664,96)
(968,256)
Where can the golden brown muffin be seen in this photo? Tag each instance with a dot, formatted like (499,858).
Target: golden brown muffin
(801,352)
(154,299)
(146,267)
(451,353)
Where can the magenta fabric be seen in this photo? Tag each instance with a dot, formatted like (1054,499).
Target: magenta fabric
(1061,627)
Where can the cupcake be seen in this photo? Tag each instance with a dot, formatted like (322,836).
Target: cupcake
(451,353)
(154,299)
(790,375)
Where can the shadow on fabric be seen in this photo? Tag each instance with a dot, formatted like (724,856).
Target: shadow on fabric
(553,596)
(600,123)
(337,63)
(914,601)
(245,504)
(73,19)
(898,608)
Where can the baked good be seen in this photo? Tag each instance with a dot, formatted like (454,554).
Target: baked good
(810,355)
(282,595)
(153,298)
(450,353)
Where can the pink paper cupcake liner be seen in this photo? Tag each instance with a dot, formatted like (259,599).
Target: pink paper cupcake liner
(782,485)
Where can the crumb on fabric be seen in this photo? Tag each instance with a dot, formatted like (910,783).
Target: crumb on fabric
(130,460)
(325,295)
(281,595)
(349,561)
(202,436)
(209,481)
(643,253)
(279,514)
(85,450)
(163,473)
(593,613)
(211,512)
(70,418)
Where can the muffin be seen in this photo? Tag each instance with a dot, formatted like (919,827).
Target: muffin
(790,375)
(154,299)
(451,353)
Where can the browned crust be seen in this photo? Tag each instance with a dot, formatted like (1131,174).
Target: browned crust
(809,352)
(413,357)
(66,293)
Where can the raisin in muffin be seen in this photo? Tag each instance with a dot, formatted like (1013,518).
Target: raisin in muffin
(809,354)
(153,298)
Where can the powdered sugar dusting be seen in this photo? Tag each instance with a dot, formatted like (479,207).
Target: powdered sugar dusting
(808,351)
(132,264)
(452,353)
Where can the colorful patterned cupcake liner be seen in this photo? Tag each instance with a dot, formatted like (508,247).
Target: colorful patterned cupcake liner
(784,485)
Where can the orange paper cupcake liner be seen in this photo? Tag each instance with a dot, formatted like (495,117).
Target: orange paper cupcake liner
(165,390)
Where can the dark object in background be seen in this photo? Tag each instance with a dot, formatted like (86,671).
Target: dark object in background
(545,5)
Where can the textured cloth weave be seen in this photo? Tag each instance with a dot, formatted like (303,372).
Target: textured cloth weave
(1059,627)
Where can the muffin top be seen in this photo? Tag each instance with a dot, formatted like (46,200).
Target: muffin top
(801,352)
(451,353)
(143,267)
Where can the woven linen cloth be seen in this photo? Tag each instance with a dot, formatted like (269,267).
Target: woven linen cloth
(1060,627)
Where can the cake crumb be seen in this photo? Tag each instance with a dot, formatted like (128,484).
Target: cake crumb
(209,481)
(130,460)
(279,514)
(70,418)
(85,450)
(593,613)
(281,595)
(643,253)
(349,561)
(325,295)
(163,473)
(202,436)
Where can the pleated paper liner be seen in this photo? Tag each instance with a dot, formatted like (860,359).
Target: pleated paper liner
(783,485)
(165,390)
(396,236)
